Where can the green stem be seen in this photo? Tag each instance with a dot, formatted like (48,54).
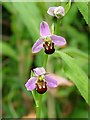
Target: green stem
(45,61)
(55,23)
(34,96)
(51,106)
(38,108)
(33,93)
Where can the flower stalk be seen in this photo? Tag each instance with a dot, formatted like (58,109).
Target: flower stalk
(39,107)
(45,61)
(33,92)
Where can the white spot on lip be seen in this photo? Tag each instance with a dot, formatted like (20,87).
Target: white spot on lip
(51,47)
(44,86)
(47,48)
(39,86)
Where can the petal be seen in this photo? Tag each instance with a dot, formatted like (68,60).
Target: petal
(39,71)
(51,82)
(44,29)
(58,40)
(51,11)
(59,11)
(37,46)
(30,85)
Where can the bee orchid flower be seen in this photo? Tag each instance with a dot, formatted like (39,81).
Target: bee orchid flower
(47,40)
(56,11)
(40,81)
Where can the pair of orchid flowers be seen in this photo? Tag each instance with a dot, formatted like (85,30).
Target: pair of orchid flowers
(47,41)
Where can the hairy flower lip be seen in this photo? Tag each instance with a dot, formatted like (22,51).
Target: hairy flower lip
(31,83)
(41,87)
(49,47)
(45,33)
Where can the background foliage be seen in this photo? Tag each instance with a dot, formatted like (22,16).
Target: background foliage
(20,23)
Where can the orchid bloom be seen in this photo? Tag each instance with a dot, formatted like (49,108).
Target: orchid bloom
(47,40)
(40,81)
(56,11)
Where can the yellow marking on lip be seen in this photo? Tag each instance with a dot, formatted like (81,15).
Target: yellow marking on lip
(41,78)
(47,39)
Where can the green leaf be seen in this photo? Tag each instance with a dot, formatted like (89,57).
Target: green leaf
(6,49)
(89,13)
(8,6)
(75,73)
(67,7)
(79,113)
(75,52)
(71,16)
(30,15)
(83,8)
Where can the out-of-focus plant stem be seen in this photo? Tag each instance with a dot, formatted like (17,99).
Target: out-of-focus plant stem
(12,110)
(51,106)
(21,59)
(50,98)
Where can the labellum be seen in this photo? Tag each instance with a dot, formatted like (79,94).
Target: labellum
(49,47)
(41,87)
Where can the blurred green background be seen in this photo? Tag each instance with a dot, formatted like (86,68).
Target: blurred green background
(20,30)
